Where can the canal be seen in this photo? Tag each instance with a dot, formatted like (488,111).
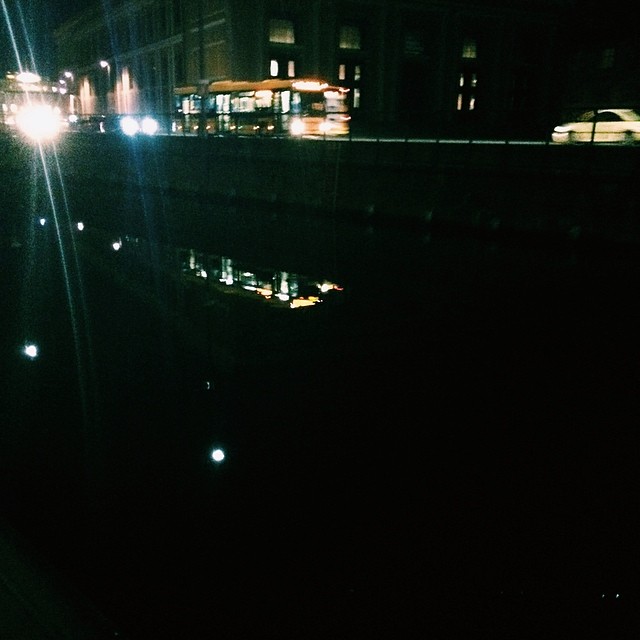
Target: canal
(425,430)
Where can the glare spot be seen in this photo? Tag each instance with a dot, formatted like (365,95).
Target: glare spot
(39,122)
(149,126)
(129,126)
(31,350)
(80,226)
(117,245)
(42,221)
(217,455)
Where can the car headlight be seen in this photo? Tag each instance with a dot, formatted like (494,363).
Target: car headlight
(129,126)
(149,126)
(38,122)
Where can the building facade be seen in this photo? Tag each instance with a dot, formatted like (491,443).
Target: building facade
(602,60)
(476,67)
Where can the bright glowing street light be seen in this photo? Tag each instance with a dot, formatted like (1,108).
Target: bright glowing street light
(217,455)
(30,350)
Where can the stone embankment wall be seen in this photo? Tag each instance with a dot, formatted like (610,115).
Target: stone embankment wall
(571,191)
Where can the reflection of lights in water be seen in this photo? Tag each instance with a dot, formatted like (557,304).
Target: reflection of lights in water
(286,289)
(217,455)
(304,302)
(31,350)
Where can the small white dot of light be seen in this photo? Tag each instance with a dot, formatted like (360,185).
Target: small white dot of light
(617,595)
(117,245)
(31,350)
(80,226)
(282,296)
(217,455)
(43,221)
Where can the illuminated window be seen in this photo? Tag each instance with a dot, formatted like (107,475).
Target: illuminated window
(273,68)
(607,59)
(356,72)
(349,37)
(467,83)
(281,31)
(291,69)
(469,49)
(342,72)
(356,98)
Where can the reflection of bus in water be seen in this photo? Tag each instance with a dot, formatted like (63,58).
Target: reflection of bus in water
(274,107)
(31,105)
(274,288)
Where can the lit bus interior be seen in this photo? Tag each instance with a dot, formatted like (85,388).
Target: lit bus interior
(268,107)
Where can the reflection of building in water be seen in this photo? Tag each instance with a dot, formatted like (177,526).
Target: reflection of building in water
(280,288)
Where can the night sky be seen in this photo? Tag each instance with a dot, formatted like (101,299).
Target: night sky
(32,23)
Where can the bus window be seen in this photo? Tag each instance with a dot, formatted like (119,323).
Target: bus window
(264,99)
(285,99)
(311,103)
(335,102)
(243,102)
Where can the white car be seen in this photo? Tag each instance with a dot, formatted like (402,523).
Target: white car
(603,125)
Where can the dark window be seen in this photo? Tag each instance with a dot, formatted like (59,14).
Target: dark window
(350,37)
(281,31)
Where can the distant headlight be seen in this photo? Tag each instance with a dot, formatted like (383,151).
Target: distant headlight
(38,122)
(149,126)
(297,127)
(129,126)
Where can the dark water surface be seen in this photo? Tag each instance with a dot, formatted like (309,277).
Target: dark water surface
(446,446)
